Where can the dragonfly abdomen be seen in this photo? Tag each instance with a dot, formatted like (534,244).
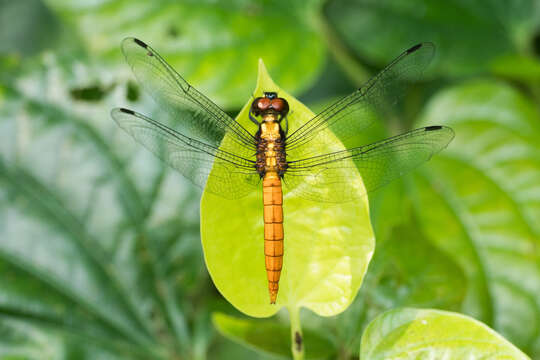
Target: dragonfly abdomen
(273,231)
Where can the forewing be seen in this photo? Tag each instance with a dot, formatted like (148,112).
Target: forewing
(232,176)
(326,177)
(194,114)
(353,113)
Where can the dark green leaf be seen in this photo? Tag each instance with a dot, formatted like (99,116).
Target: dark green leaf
(469,34)
(478,202)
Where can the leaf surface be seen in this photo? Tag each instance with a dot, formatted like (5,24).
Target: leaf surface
(408,333)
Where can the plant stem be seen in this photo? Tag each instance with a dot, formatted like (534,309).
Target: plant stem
(297,338)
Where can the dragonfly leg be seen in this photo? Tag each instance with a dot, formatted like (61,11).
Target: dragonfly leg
(253,119)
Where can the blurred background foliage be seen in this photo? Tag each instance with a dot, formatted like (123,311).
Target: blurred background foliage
(99,242)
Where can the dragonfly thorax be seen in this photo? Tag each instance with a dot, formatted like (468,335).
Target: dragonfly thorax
(270,129)
(271,156)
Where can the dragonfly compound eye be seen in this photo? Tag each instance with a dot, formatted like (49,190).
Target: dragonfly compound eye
(280,105)
(263,104)
(259,105)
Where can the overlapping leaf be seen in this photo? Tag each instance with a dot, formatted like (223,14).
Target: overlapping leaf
(416,334)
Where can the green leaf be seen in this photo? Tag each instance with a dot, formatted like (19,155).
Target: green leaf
(434,334)
(469,34)
(327,248)
(407,269)
(483,191)
(271,337)
(214,45)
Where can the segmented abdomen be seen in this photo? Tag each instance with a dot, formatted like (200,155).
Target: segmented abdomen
(273,231)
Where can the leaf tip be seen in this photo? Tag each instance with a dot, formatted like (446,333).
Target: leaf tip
(264,81)
(262,67)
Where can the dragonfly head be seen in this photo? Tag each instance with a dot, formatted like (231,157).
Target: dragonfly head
(268,105)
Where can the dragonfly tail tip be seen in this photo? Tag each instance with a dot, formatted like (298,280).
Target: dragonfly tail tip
(414,48)
(140,43)
(127,111)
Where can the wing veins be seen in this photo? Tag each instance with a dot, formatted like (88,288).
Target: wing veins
(195,144)
(356,152)
(196,96)
(362,95)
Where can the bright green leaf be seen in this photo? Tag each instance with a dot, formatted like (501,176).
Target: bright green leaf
(433,334)
(327,248)
(271,337)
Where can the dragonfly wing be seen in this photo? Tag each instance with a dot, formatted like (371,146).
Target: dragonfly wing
(223,173)
(194,114)
(353,113)
(328,177)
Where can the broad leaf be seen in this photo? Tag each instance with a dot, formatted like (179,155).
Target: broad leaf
(433,334)
(327,247)
(487,201)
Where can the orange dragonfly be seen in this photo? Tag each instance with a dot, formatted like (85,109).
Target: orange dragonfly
(274,156)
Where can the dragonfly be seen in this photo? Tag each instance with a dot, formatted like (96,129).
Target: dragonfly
(215,152)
